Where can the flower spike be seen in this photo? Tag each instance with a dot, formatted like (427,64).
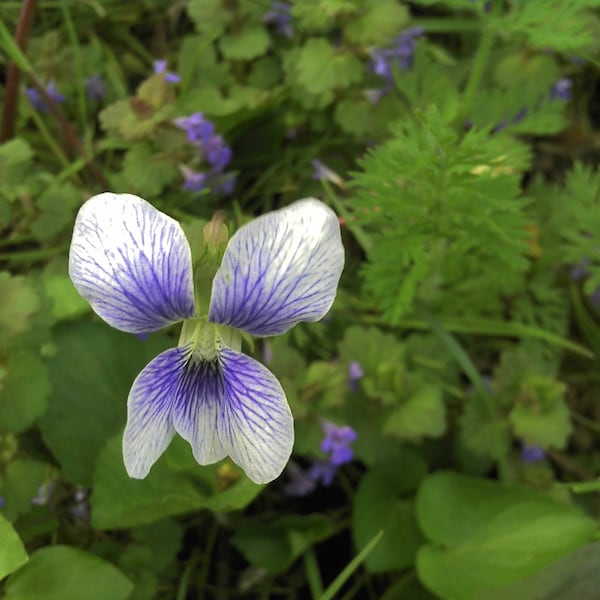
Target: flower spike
(132,263)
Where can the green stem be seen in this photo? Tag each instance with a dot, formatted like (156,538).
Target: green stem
(32,255)
(482,55)
(313,574)
(360,235)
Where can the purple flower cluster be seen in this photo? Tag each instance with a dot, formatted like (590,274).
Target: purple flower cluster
(336,445)
(160,67)
(212,149)
(400,53)
(280,16)
(562,89)
(532,453)
(95,87)
(355,373)
(37,101)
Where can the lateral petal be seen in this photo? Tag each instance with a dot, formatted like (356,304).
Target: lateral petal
(255,424)
(149,428)
(279,269)
(132,263)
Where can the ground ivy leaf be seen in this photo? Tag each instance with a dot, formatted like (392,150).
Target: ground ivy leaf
(248,43)
(146,173)
(423,414)
(540,415)
(91,373)
(18,303)
(56,206)
(12,551)
(379,22)
(66,573)
(24,391)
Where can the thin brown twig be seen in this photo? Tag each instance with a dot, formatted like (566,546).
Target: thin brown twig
(13,74)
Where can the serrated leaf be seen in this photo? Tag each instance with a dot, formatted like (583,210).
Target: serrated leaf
(24,391)
(248,43)
(540,415)
(146,172)
(320,68)
(15,167)
(423,414)
(209,16)
(381,504)
(378,22)
(19,302)
(12,551)
(66,573)
(56,206)
(66,301)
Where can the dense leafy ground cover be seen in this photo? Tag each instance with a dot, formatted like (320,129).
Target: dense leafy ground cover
(449,399)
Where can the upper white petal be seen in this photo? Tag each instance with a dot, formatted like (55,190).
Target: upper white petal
(279,269)
(132,263)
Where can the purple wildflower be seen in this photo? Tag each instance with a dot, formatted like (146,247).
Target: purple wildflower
(580,271)
(337,442)
(227,185)
(532,453)
(322,172)
(280,16)
(194,181)
(2,502)
(217,153)
(160,66)
(300,482)
(198,128)
(95,87)
(562,89)
(355,373)
(323,472)
(37,100)
(400,53)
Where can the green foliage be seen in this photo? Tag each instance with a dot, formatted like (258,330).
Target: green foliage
(382,503)
(12,552)
(462,138)
(484,534)
(65,573)
(455,205)
(175,486)
(276,545)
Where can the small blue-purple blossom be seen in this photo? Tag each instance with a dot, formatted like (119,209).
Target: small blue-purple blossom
(194,181)
(133,264)
(300,482)
(226,185)
(323,472)
(280,15)
(198,128)
(562,89)
(532,453)
(580,270)
(37,100)
(400,52)
(160,67)
(322,172)
(355,373)
(95,87)
(337,442)
(217,153)
(2,502)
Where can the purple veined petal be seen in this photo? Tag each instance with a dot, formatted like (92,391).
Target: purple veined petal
(132,263)
(149,428)
(280,269)
(234,406)
(255,425)
(196,410)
